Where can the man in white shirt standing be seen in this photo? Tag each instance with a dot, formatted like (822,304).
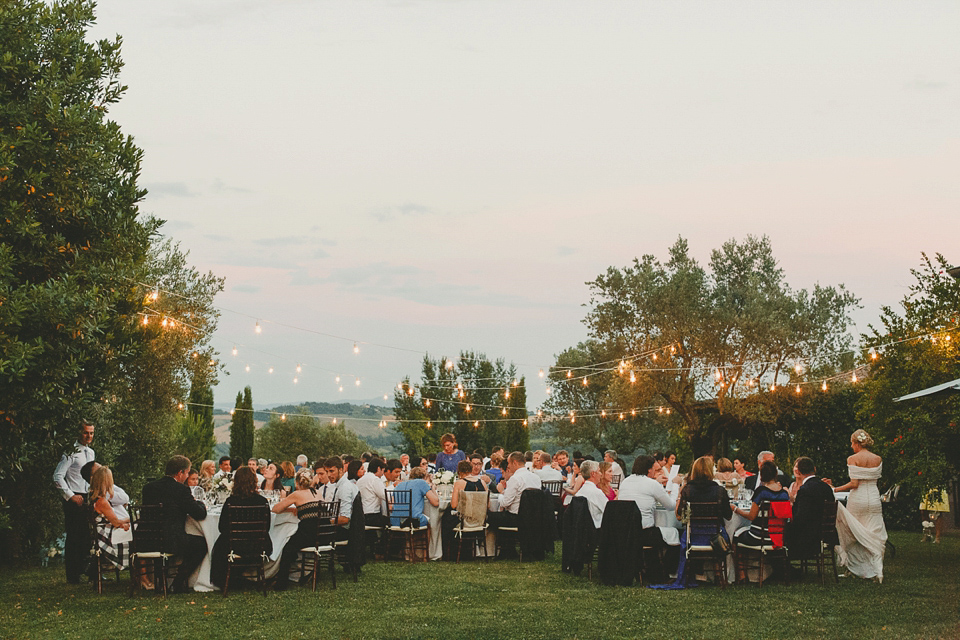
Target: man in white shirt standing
(404,466)
(516,480)
(67,479)
(589,490)
(643,488)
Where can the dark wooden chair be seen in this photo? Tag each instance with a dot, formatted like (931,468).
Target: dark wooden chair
(757,556)
(324,547)
(247,543)
(147,555)
(828,542)
(100,561)
(415,546)
(703,524)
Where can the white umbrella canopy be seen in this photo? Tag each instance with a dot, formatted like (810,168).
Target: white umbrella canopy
(953,385)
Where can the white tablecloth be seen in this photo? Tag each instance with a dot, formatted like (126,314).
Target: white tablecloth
(282,527)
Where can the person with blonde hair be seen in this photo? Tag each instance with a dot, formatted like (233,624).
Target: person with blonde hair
(860,527)
(305,502)
(207,469)
(112,522)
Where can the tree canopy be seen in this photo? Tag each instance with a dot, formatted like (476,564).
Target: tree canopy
(284,437)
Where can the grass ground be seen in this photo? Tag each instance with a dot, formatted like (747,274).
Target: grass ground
(919,598)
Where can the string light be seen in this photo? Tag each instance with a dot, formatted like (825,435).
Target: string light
(798,389)
(180,406)
(337,380)
(633,377)
(356,349)
(773,387)
(283,417)
(569,373)
(603,414)
(476,423)
(853,378)
(427,402)
(540,374)
(163,322)
(146,320)
(295,381)
(798,368)
(410,391)
(516,382)
(506,394)
(247,368)
(468,408)
(524,422)
(257,328)
(298,368)
(384,396)
(270,370)
(585,383)
(231,412)
(504,411)
(234,351)
(824,385)
(449,364)
(357,382)
(429,426)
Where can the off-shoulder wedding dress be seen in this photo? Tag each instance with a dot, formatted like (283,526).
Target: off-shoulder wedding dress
(860,525)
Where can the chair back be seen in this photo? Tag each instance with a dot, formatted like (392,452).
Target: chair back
(472,507)
(249,528)
(828,524)
(147,525)
(553,487)
(327,514)
(704,522)
(399,505)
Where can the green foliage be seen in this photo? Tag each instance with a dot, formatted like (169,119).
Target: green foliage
(485,386)
(201,413)
(285,439)
(73,247)
(194,439)
(720,336)
(241,429)
(918,439)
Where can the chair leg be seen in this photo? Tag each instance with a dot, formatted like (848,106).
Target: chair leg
(333,570)
(226,581)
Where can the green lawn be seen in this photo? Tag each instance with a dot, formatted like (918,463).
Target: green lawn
(918,599)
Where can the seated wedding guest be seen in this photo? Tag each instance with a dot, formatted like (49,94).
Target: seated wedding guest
(405,469)
(591,490)
(419,490)
(244,494)
(346,459)
(517,478)
(178,503)
(119,499)
(355,470)
(725,472)
(769,490)
(741,469)
(301,464)
(468,479)
(496,452)
(561,462)
(611,456)
(528,460)
(476,463)
(261,465)
(544,468)
(272,478)
(319,477)
(304,502)
(574,482)
(207,470)
(289,475)
(193,479)
(373,493)
(642,488)
(339,489)
(431,464)
(112,522)
(236,463)
(366,457)
(254,466)
(753,481)
(494,472)
(225,467)
(393,474)
(802,533)
(606,480)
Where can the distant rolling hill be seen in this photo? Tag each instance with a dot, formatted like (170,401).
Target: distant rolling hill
(363,420)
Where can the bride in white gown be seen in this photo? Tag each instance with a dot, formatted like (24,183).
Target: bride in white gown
(860,527)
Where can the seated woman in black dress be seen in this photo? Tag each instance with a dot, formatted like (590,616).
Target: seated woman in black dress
(307,505)
(768,490)
(467,481)
(244,495)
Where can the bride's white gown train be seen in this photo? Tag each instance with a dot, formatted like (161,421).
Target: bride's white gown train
(860,527)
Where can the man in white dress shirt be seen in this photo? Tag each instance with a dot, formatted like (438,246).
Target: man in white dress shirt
(373,493)
(516,480)
(611,456)
(542,467)
(589,490)
(67,479)
(341,490)
(643,488)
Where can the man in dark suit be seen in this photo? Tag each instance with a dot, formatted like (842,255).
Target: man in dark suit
(802,533)
(751,482)
(178,503)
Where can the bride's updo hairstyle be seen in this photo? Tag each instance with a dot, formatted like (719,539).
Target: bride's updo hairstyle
(304,479)
(862,438)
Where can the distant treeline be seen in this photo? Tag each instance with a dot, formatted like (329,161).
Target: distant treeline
(325,408)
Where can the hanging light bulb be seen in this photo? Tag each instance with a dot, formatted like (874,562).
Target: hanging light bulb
(798,388)
(172,323)
(773,387)
(585,383)
(283,416)
(476,424)
(270,370)
(341,389)
(384,396)
(603,414)
(356,349)
(504,411)
(427,402)
(873,354)
(146,320)
(180,406)
(633,377)
(516,382)
(296,380)
(506,394)
(659,409)
(633,412)
(549,390)
(468,408)
(155,294)
(717,375)
(460,395)
(234,351)
(539,413)
(357,382)
(668,411)
(257,328)
(622,416)
(798,367)
(247,368)
(163,322)
(429,426)
(299,368)
(231,412)
(449,364)
(410,391)
(540,374)
(337,379)
(824,385)
(654,357)
(524,422)
(400,386)
(334,421)
(673,349)
(853,378)
(569,373)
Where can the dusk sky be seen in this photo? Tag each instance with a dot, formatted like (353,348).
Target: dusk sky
(439,176)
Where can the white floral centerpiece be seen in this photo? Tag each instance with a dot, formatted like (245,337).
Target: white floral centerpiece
(223,487)
(443,480)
